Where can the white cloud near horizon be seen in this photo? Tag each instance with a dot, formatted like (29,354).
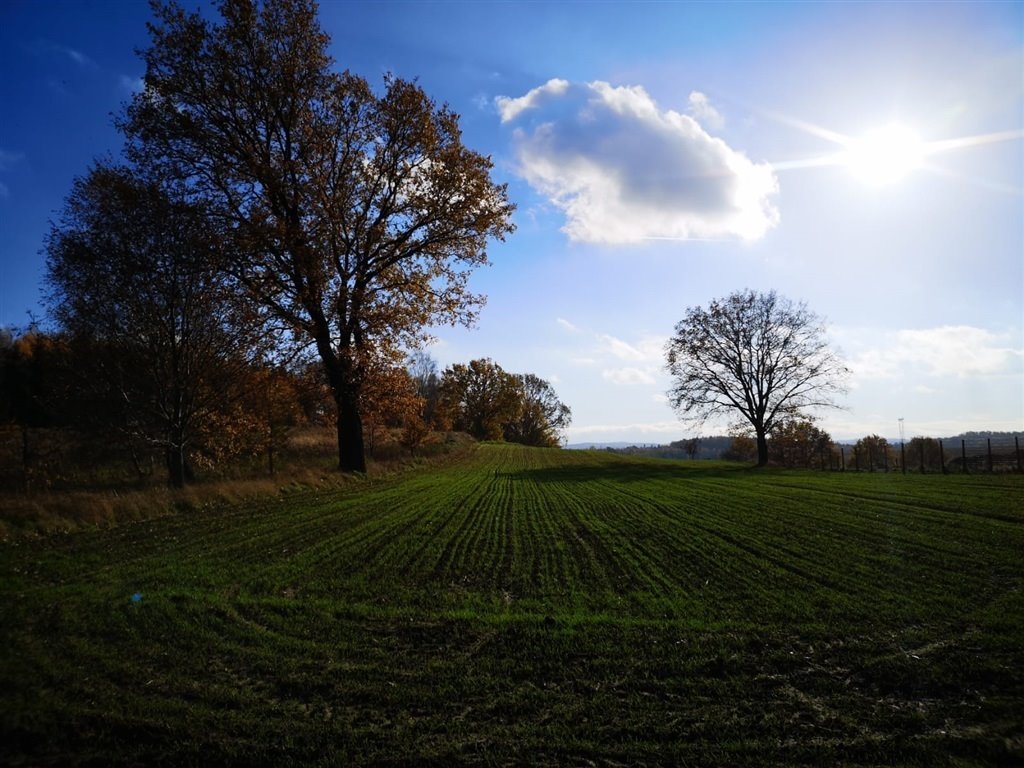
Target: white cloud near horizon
(656,428)
(623,170)
(626,376)
(958,351)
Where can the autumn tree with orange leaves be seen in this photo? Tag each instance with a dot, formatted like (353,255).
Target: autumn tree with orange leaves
(356,217)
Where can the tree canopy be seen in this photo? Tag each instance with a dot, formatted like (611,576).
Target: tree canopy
(481,398)
(356,217)
(132,272)
(757,356)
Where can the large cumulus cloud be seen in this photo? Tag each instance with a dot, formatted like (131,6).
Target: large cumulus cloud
(624,170)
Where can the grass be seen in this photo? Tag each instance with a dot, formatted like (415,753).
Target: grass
(532,607)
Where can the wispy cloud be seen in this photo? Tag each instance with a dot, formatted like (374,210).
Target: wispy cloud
(79,58)
(627,376)
(567,325)
(73,54)
(656,429)
(623,170)
(130,84)
(7,161)
(648,349)
(702,111)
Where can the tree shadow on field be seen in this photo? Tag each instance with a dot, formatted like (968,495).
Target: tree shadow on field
(627,472)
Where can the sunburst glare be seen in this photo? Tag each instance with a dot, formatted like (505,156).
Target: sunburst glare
(885,155)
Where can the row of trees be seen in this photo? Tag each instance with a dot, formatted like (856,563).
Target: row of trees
(268,205)
(798,443)
(793,442)
(482,399)
(147,394)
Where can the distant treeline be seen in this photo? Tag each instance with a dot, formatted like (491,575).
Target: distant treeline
(800,444)
(714,447)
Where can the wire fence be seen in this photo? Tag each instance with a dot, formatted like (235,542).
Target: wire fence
(926,454)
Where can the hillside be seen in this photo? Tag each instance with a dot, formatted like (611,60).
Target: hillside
(535,607)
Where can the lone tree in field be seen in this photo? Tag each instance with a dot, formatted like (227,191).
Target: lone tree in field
(756,354)
(355,217)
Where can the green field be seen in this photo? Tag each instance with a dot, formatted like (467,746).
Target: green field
(535,607)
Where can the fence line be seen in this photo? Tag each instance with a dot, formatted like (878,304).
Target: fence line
(924,454)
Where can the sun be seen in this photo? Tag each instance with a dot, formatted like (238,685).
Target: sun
(884,155)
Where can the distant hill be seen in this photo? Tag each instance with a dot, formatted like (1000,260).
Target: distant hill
(711,447)
(603,446)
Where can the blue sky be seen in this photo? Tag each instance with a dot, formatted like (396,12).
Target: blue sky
(661,155)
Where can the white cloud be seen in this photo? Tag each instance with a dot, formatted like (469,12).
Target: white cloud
(623,170)
(702,111)
(627,376)
(959,351)
(648,349)
(642,428)
(510,108)
(567,325)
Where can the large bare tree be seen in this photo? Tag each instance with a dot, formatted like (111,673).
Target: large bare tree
(356,217)
(756,355)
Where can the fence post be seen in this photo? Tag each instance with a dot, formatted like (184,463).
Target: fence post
(963,454)
(842,457)
(922,456)
(991,468)
(942,457)
(903,457)
(1016,449)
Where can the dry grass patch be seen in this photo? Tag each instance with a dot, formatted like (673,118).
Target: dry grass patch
(76,500)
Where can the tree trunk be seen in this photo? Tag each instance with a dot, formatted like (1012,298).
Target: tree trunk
(26,458)
(344,387)
(762,449)
(351,453)
(176,466)
(178,470)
